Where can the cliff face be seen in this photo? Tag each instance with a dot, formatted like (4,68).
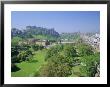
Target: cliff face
(33,30)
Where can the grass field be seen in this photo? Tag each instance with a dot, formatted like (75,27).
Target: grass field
(29,68)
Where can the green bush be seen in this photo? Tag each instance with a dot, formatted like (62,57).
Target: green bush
(36,47)
(89,64)
(53,51)
(14,68)
(24,55)
(57,66)
(70,51)
(84,49)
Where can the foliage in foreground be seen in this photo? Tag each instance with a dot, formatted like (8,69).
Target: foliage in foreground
(90,64)
(61,58)
(58,66)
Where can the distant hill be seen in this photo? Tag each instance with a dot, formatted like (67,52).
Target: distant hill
(36,32)
(69,36)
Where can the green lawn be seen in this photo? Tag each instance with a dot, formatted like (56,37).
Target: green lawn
(29,68)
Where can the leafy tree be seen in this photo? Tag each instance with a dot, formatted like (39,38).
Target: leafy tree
(14,68)
(14,52)
(37,47)
(57,66)
(70,51)
(89,64)
(41,47)
(25,47)
(53,51)
(47,43)
(15,40)
(24,55)
(53,70)
(84,49)
(14,59)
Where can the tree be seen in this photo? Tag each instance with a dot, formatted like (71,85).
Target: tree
(70,51)
(84,49)
(53,51)
(36,47)
(57,66)
(89,64)
(14,68)
(41,47)
(47,43)
(14,52)
(22,56)
(15,41)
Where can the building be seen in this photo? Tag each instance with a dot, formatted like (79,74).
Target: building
(93,40)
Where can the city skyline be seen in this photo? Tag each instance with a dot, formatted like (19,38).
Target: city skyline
(61,21)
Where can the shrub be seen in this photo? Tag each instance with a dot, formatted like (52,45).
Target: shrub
(57,66)
(89,64)
(14,68)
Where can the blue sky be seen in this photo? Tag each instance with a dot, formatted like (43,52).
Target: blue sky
(61,21)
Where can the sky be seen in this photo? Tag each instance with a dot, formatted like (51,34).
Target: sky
(61,21)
